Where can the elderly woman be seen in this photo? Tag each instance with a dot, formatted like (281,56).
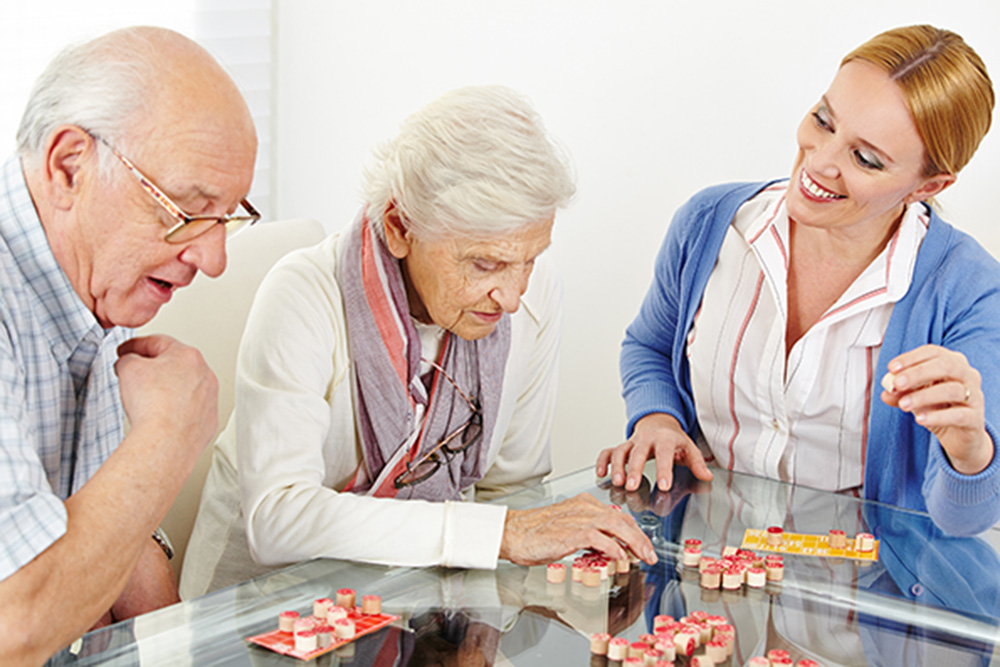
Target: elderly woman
(404,366)
(778,309)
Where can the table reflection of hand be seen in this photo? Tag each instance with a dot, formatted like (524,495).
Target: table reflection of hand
(646,498)
(479,646)
(636,501)
(451,638)
(625,608)
(613,607)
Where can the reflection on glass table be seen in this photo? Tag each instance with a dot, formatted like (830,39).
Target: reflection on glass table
(930,599)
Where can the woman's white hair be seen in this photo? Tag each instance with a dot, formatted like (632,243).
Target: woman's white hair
(101,86)
(476,161)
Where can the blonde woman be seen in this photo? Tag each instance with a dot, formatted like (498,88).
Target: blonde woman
(831,329)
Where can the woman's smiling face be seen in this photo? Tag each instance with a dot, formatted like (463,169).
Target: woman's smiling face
(860,157)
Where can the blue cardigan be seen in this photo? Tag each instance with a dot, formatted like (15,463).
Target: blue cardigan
(953,301)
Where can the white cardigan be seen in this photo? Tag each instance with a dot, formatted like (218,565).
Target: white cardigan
(271,496)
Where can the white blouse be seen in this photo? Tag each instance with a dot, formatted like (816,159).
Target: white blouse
(803,419)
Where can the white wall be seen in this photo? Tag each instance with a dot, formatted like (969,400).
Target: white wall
(32,33)
(653,99)
(236,33)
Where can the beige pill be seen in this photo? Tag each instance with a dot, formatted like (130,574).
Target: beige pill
(591,577)
(306,641)
(345,598)
(555,573)
(599,643)
(618,648)
(838,539)
(286,620)
(344,629)
(371,605)
(888,381)
(320,606)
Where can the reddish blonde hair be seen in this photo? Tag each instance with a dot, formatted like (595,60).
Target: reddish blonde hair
(946,87)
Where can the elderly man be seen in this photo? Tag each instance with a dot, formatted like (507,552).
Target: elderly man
(89,244)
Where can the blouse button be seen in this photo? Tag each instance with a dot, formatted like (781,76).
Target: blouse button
(775,425)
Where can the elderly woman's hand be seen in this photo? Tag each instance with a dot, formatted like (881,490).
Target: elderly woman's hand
(943,392)
(536,536)
(657,436)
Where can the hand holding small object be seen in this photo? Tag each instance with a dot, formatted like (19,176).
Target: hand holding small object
(943,393)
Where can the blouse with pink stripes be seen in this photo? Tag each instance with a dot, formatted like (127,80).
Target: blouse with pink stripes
(802,419)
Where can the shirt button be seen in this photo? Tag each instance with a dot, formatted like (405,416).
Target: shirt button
(775,425)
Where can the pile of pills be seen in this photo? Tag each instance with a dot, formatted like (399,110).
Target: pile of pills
(700,639)
(779,658)
(735,568)
(329,620)
(672,639)
(590,569)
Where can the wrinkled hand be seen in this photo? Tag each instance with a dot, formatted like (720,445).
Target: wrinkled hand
(944,394)
(167,385)
(657,436)
(536,536)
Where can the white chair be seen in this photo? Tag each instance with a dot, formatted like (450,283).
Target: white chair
(210,315)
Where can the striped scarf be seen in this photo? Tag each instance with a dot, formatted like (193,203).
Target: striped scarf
(397,417)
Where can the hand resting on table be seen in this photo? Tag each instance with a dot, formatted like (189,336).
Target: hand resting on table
(657,436)
(546,534)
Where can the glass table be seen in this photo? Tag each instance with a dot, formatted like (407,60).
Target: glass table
(930,599)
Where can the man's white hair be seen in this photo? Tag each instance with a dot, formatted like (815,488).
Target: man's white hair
(101,86)
(476,161)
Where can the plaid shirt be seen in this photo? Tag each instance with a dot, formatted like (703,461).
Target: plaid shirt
(60,411)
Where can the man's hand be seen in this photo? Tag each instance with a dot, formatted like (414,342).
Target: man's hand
(657,436)
(536,536)
(107,558)
(167,386)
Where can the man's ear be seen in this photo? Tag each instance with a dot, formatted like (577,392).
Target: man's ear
(932,187)
(68,152)
(397,237)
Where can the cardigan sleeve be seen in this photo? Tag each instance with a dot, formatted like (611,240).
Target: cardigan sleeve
(653,361)
(953,302)
(969,504)
(962,504)
(652,364)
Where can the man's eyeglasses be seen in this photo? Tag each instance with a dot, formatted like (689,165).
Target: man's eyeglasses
(457,441)
(188,227)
